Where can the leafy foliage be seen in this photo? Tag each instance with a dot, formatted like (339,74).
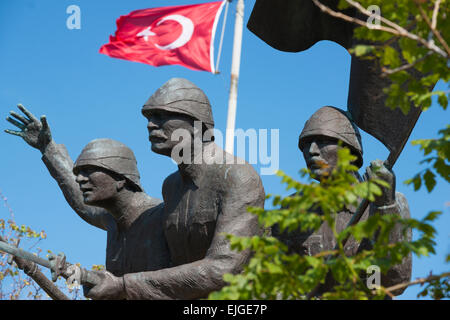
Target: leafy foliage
(438,288)
(401,56)
(412,67)
(14,283)
(274,273)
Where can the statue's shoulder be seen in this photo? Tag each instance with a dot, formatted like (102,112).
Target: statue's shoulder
(244,172)
(170,183)
(147,204)
(237,168)
(172,178)
(153,209)
(150,201)
(237,179)
(237,174)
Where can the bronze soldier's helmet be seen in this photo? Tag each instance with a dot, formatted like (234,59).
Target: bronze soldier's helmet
(335,123)
(181,96)
(111,155)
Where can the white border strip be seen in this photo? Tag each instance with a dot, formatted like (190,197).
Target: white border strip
(211,49)
(221,36)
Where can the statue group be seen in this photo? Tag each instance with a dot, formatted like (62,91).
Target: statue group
(175,248)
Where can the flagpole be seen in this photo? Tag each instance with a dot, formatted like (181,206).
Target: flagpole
(235,64)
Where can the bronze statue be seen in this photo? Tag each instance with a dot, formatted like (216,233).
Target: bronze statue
(295,26)
(318,142)
(103,188)
(204,198)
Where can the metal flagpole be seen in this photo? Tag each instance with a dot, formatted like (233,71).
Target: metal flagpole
(235,64)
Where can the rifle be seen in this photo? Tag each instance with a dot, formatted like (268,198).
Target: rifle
(32,270)
(58,266)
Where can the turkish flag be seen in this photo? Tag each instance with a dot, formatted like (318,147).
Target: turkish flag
(182,35)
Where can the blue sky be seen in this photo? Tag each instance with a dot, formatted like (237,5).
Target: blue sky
(85,95)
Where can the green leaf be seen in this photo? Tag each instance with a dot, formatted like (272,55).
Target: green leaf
(430,180)
(442,99)
(273,268)
(362,50)
(433,215)
(390,57)
(416,181)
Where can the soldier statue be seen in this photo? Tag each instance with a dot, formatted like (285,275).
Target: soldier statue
(319,143)
(204,199)
(103,188)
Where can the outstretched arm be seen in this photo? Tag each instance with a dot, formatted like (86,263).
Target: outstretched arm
(37,134)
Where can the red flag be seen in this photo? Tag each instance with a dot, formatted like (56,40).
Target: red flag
(181,35)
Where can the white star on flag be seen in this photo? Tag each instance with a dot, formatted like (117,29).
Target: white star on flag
(146,33)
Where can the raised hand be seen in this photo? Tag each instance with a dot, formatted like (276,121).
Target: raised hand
(36,133)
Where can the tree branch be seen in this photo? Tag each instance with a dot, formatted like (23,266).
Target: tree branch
(336,14)
(394,28)
(435,14)
(418,281)
(430,24)
(387,71)
(401,31)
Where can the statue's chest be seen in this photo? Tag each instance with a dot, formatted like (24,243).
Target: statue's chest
(190,223)
(308,243)
(141,248)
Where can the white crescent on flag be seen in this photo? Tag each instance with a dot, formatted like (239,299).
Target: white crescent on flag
(185,36)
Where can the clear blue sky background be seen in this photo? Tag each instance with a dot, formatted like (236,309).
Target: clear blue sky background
(86,95)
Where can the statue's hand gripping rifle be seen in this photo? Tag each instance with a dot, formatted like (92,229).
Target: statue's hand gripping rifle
(58,266)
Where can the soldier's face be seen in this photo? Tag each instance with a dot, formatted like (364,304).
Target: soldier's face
(97,185)
(161,128)
(320,154)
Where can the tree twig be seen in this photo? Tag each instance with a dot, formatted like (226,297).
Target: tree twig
(418,281)
(347,18)
(436,33)
(399,29)
(387,71)
(435,14)
(394,28)
(402,31)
